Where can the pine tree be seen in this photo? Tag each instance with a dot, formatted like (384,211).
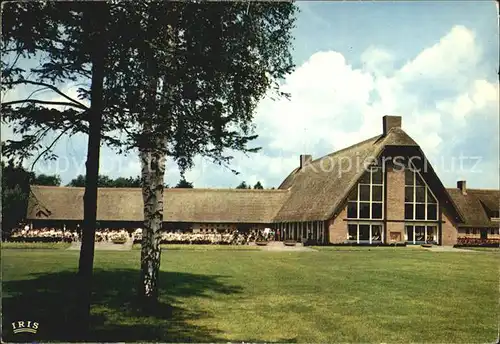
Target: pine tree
(258,185)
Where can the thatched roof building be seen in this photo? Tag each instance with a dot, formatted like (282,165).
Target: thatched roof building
(331,199)
(479,206)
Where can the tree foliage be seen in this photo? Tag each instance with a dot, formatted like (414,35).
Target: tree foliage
(184,184)
(107,182)
(243,185)
(16,181)
(258,185)
(49,180)
(15,192)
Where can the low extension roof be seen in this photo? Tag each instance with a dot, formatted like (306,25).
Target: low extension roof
(477,206)
(180,205)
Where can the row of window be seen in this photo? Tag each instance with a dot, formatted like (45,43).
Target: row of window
(218,225)
(373,233)
(421,234)
(476,231)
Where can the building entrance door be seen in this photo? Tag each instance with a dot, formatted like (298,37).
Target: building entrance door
(484,234)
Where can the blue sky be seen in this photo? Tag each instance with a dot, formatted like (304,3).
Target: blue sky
(433,63)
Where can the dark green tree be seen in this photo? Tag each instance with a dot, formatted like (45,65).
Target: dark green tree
(130,182)
(79,181)
(15,192)
(242,185)
(50,180)
(184,184)
(107,182)
(258,185)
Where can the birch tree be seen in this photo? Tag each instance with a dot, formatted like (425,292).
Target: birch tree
(201,69)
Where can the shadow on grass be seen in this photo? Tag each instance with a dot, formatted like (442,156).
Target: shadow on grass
(49,299)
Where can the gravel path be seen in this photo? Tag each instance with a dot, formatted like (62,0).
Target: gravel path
(447,249)
(105,246)
(278,246)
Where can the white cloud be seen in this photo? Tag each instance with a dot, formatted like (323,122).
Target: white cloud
(378,61)
(456,53)
(338,105)
(481,95)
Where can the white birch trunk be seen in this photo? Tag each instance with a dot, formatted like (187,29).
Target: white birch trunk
(152,174)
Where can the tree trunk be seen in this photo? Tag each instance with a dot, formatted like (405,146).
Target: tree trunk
(152,156)
(152,173)
(86,261)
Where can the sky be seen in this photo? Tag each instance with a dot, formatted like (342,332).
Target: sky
(433,63)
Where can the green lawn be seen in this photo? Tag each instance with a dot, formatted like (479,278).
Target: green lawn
(364,295)
(35,245)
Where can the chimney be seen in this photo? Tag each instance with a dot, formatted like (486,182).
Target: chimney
(390,122)
(305,159)
(462,186)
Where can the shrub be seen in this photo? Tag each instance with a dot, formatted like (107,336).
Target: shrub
(477,242)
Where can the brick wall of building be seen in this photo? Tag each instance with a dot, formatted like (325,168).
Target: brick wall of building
(337,228)
(395,205)
(449,229)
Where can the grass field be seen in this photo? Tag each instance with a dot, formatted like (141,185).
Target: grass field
(363,295)
(35,245)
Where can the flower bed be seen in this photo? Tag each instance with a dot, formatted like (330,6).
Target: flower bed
(471,242)
(121,236)
(261,243)
(200,238)
(38,239)
(289,242)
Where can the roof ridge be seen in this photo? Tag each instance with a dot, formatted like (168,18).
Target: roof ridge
(166,189)
(226,189)
(347,148)
(485,189)
(474,189)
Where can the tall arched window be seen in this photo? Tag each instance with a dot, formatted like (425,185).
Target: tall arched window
(365,205)
(420,205)
(420,202)
(366,201)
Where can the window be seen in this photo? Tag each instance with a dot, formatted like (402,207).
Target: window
(353,232)
(493,231)
(467,231)
(420,234)
(365,233)
(366,201)
(474,231)
(420,202)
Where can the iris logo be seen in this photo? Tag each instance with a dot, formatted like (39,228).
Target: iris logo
(25,326)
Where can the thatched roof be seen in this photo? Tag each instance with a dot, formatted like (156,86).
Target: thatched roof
(477,206)
(181,205)
(321,186)
(317,191)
